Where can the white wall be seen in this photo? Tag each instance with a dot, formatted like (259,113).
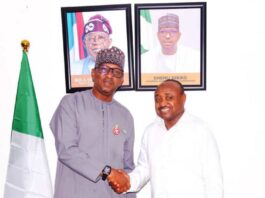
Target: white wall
(233,104)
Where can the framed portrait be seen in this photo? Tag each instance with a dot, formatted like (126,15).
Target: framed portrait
(86,30)
(170,43)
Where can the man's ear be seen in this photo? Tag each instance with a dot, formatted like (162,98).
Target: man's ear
(93,74)
(183,98)
(122,81)
(179,35)
(110,42)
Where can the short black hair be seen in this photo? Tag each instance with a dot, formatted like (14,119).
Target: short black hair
(176,82)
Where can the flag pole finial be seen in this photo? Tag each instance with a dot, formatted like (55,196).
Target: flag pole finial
(25,45)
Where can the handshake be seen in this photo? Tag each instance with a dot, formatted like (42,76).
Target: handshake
(119,180)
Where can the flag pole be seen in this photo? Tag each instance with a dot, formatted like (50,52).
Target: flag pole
(28,171)
(25,45)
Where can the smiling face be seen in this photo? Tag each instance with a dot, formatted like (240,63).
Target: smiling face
(169,102)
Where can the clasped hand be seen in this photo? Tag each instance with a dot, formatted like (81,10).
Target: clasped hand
(119,180)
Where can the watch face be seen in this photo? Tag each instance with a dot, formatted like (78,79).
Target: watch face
(107,169)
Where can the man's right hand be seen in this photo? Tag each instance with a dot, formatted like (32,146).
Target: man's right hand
(119,180)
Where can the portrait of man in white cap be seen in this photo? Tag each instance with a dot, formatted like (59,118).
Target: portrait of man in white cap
(169,55)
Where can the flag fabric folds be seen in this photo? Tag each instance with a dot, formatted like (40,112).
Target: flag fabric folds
(27,173)
(146,31)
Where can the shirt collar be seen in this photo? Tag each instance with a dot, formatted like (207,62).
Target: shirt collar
(98,100)
(178,125)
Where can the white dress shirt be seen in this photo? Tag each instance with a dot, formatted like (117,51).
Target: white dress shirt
(182,162)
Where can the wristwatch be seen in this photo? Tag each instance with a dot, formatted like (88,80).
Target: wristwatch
(106,172)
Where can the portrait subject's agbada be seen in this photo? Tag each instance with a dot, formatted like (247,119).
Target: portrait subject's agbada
(170,56)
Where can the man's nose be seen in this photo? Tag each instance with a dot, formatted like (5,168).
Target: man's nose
(95,39)
(168,35)
(110,74)
(162,102)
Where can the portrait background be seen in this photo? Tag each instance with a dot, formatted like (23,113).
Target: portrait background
(189,25)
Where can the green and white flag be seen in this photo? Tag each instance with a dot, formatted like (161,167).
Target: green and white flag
(146,31)
(28,174)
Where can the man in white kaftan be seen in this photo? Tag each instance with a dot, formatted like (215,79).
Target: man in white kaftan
(180,162)
(178,155)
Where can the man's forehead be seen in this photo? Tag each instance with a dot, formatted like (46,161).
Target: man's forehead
(98,34)
(167,87)
(111,65)
(168,29)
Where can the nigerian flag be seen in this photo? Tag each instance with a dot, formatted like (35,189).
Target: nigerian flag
(27,173)
(146,27)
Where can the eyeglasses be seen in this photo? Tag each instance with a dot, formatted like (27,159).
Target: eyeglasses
(96,38)
(104,70)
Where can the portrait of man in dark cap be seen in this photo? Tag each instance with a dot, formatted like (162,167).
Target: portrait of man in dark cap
(96,36)
(88,32)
